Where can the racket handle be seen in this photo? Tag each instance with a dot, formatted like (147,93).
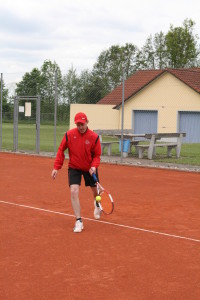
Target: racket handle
(94,177)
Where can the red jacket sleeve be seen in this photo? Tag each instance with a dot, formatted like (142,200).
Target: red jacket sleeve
(96,154)
(60,154)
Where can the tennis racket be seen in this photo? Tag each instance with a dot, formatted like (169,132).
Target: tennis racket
(106,204)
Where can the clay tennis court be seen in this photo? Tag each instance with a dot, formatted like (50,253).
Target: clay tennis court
(149,248)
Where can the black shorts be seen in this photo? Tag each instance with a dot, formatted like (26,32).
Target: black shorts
(74,177)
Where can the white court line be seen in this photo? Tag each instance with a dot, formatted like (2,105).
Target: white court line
(104,222)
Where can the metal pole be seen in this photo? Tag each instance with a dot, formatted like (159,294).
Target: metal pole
(15,124)
(38,125)
(122,117)
(55,113)
(1,111)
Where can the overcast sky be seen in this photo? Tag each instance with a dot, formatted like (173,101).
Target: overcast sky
(75,32)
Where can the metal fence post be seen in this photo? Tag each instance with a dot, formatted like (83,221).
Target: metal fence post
(1,111)
(38,125)
(122,124)
(15,125)
(55,113)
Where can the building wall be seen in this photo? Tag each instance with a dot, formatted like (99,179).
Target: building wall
(99,116)
(167,95)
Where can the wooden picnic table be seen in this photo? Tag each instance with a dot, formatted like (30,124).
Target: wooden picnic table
(153,140)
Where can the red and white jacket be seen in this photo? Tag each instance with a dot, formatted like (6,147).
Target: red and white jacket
(84,150)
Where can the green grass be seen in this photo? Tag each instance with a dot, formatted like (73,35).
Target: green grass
(27,137)
(190,153)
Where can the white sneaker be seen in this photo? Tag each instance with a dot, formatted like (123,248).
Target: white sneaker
(97,211)
(78,226)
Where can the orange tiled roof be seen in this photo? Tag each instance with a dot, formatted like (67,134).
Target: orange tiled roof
(140,79)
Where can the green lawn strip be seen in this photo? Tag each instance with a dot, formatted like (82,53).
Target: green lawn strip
(190,153)
(27,137)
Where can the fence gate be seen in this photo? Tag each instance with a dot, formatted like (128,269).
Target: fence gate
(23,108)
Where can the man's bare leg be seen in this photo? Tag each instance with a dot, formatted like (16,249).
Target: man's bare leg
(74,188)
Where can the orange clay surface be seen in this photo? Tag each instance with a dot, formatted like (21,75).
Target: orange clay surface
(148,249)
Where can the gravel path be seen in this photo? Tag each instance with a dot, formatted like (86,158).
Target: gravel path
(132,161)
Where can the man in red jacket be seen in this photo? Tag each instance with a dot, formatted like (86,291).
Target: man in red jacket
(84,158)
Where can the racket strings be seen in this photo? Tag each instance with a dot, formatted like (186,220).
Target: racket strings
(106,202)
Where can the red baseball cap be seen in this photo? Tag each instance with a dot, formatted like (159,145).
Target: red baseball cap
(80,118)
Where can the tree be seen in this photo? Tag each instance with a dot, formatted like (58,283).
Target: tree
(42,83)
(30,84)
(47,85)
(146,56)
(181,45)
(91,88)
(6,107)
(153,55)
(71,87)
(160,50)
(111,63)
(177,49)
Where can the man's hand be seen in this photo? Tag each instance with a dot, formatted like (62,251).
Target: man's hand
(54,173)
(92,170)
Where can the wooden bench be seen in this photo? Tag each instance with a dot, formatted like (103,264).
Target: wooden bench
(141,148)
(107,145)
(151,147)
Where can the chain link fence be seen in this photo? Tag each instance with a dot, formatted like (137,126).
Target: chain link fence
(54,116)
(165,105)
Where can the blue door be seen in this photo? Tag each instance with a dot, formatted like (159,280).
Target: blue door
(145,121)
(189,122)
